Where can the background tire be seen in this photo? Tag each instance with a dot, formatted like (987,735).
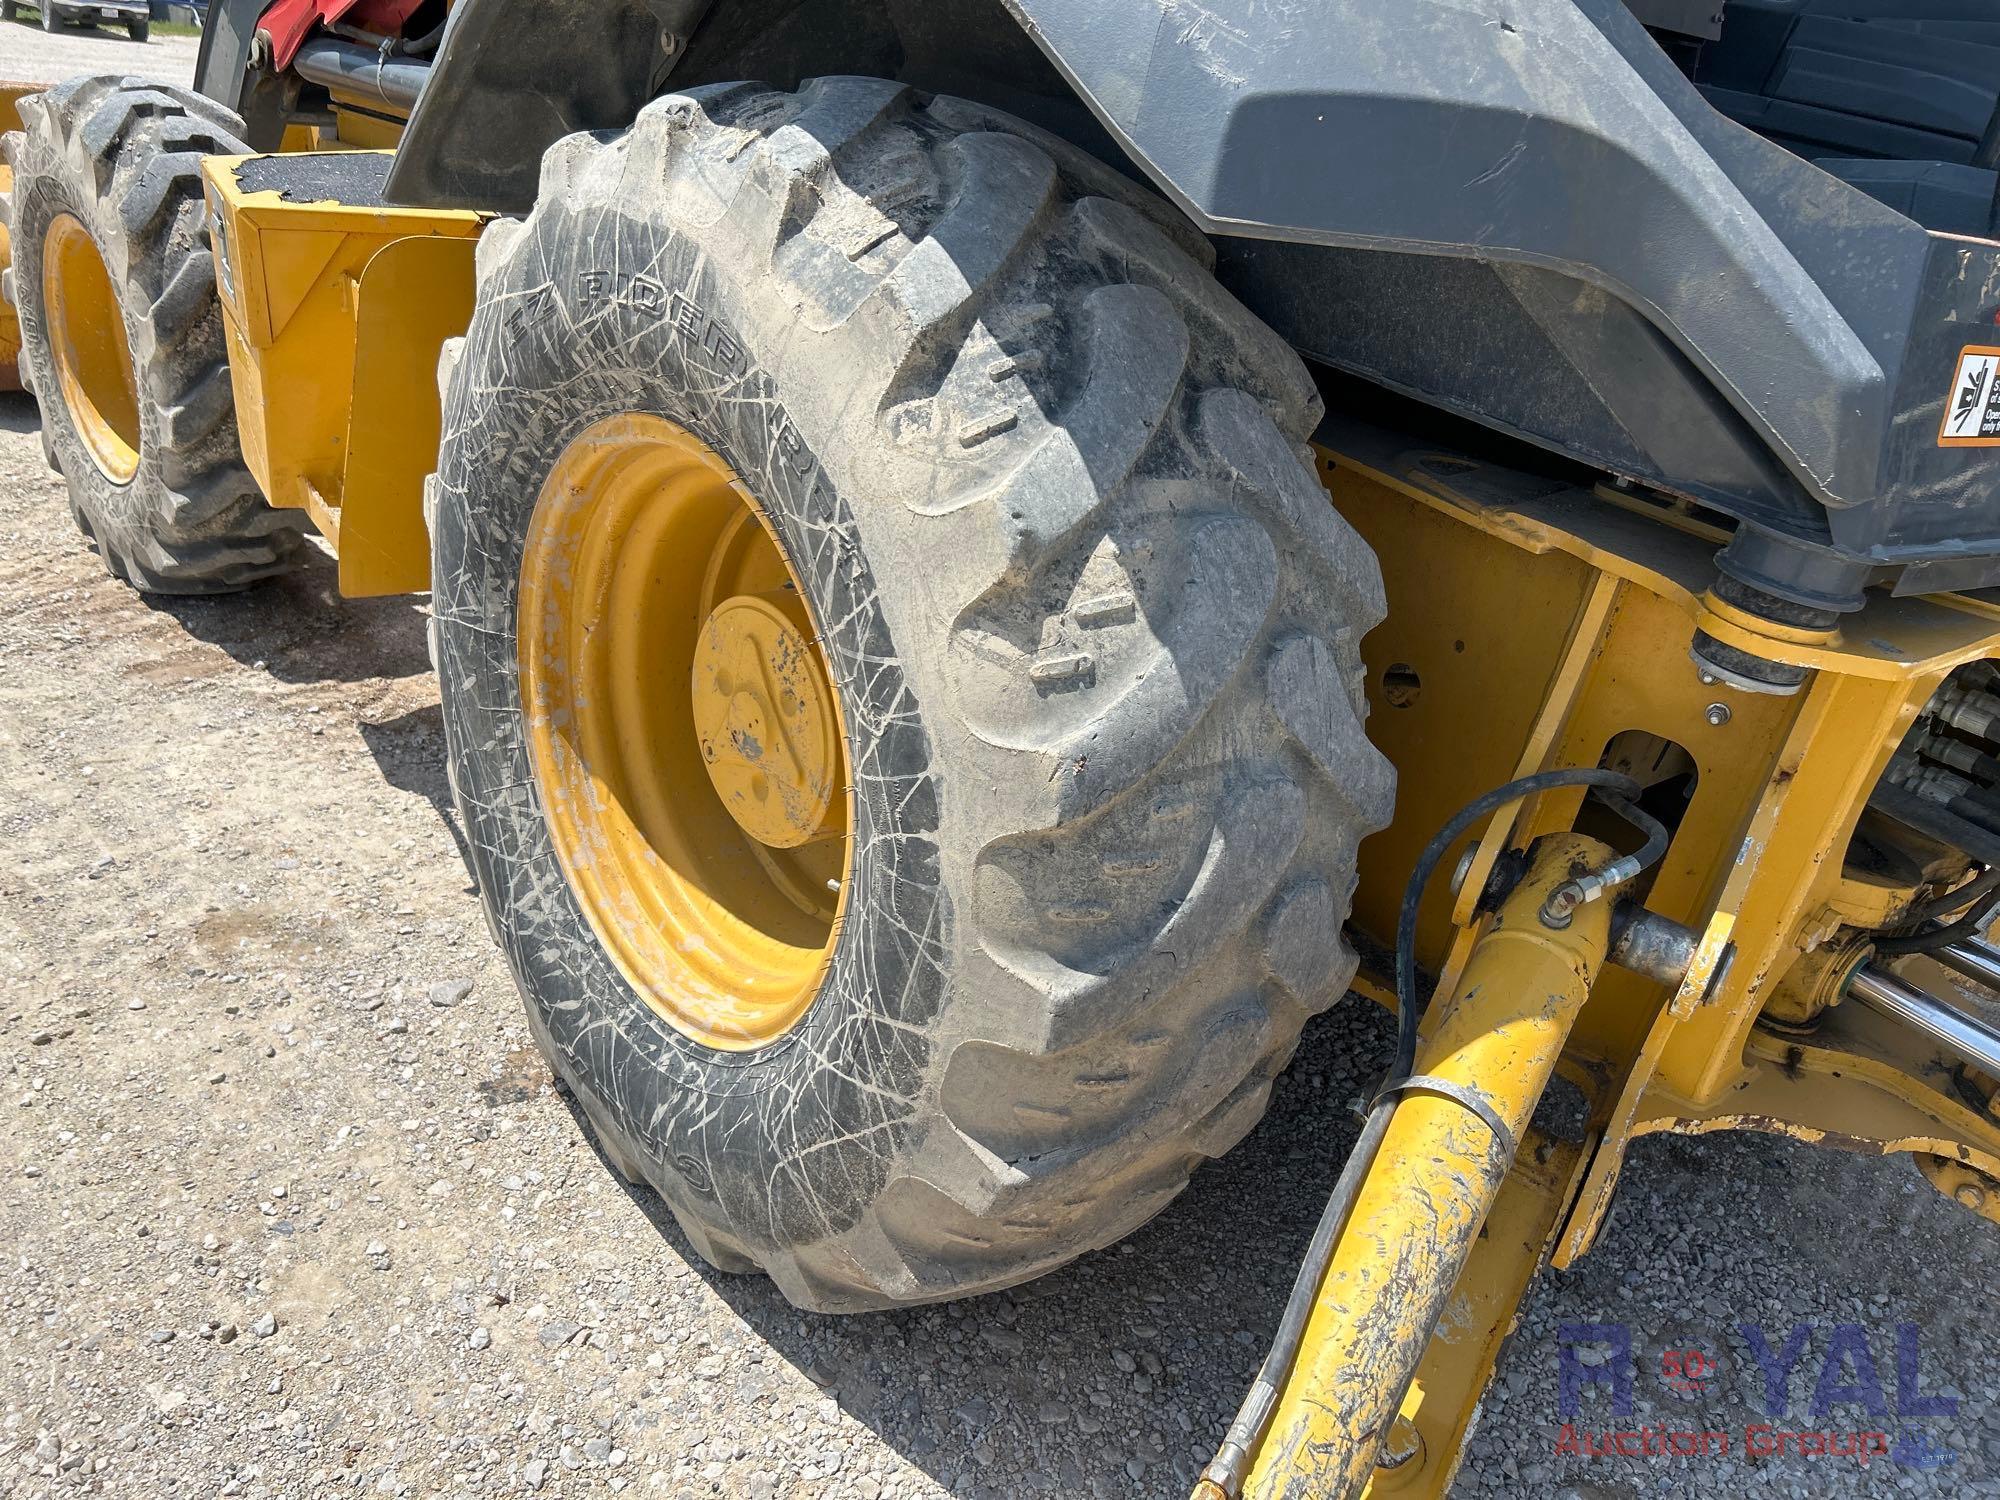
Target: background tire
(1095,626)
(139,31)
(51,17)
(122,158)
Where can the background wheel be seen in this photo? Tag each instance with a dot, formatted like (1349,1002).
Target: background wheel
(122,338)
(139,31)
(1088,623)
(7,11)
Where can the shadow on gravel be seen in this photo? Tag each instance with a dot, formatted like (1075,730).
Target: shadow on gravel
(301,630)
(409,750)
(298,627)
(18,412)
(1028,1391)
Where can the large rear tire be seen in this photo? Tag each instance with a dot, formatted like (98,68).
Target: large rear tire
(1094,631)
(122,336)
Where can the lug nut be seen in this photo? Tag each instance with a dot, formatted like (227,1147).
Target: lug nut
(1972,1195)
(1717,714)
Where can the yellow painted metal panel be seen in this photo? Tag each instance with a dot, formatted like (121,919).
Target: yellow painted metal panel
(357,125)
(301,138)
(414,294)
(334,330)
(285,266)
(1487,658)
(1556,620)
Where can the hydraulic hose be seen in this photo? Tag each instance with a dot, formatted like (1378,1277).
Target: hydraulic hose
(1232,1460)
(1409,1009)
(1973,924)
(1224,1474)
(390,46)
(1974,959)
(425,45)
(1977,899)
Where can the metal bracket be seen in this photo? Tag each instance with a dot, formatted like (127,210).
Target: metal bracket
(1471,1099)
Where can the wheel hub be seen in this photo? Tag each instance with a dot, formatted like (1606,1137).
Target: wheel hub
(764,712)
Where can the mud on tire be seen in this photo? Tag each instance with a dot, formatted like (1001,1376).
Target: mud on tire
(122,156)
(1095,629)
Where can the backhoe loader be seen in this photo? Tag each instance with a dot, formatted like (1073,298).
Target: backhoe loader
(989,559)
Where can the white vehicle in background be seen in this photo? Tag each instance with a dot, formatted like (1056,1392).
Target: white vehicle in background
(136,16)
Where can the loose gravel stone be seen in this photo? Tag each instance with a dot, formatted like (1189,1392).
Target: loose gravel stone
(558,1331)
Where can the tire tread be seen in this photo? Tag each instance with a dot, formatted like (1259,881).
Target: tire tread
(124,155)
(1161,770)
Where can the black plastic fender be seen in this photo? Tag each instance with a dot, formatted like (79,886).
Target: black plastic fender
(1519,210)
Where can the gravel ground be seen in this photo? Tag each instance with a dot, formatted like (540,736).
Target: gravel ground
(30,55)
(289,1204)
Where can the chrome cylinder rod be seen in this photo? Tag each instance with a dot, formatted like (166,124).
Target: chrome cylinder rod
(1976,960)
(1959,1032)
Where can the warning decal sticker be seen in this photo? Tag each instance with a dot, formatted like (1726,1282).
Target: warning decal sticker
(1972,411)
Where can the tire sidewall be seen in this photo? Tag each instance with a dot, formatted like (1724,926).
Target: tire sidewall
(49,183)
(561,340)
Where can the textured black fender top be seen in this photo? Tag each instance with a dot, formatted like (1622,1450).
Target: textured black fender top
(1519,210)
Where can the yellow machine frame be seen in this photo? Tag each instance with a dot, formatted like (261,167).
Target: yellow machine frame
(356,125)
(1559,620)
(335,314)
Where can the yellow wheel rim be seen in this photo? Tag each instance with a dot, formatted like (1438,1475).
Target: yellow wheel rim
(87,338)
(684,732)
